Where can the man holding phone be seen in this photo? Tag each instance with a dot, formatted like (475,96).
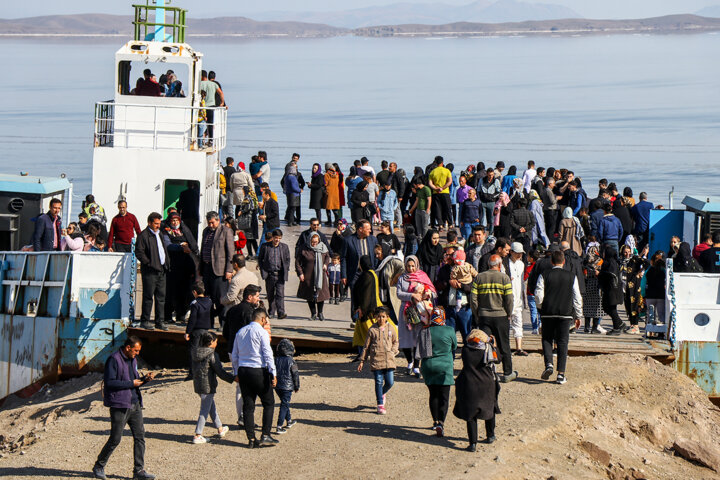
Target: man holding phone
(121,392)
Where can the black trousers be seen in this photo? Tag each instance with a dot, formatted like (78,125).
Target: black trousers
(499,327)
(440,209)
(154,286)
(210,123)
(336,215)
(212,289)
(275,289)
(555,330)
(439,402)
(121,247)
(119,417)
(550,223)
(315,307)
(179,283)
(472,429)
(613,312)
(256,382)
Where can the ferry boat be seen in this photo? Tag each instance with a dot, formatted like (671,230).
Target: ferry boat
(63,313)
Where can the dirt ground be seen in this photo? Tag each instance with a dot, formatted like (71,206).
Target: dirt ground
(619,416)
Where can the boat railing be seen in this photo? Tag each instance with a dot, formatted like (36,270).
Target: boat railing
(159,127)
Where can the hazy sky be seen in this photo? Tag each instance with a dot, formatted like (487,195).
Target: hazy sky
(212,8)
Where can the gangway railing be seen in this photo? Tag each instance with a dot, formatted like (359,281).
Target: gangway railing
(159,127)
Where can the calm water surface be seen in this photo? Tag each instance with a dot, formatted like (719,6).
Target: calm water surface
(643,111)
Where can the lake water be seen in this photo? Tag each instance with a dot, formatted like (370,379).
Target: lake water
(643,111)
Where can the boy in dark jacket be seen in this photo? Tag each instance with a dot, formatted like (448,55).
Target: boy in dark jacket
(200,321)
(206,368)
(288,381)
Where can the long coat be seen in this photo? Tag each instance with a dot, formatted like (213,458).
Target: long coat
(332,189)
(222,250)
(305,264)
(476,387)
(568,229)
(366,297)
(238,180)
(438,369)
(317,192)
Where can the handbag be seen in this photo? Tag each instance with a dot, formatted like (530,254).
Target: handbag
(412,315)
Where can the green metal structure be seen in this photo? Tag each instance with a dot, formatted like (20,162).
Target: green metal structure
(148,30)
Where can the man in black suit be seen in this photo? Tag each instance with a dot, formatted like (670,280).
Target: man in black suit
(153,256)
(274,265)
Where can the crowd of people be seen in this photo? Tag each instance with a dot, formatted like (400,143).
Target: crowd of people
(419,260)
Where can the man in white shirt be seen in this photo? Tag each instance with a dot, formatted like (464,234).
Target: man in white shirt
(529,176)
(253,362)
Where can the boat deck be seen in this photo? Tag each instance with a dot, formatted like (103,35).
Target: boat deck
(334,334)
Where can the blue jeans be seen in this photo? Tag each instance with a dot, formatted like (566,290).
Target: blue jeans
(534,317)
(262,237)
(284,415)
(463,322)
(207,408)
(488,217)
(466,229)
(388,377)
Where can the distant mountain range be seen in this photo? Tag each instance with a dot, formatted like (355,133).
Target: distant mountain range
(480,11)
(100,24)
(712,11)
(119,25)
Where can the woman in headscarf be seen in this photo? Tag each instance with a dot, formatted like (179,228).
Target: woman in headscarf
(570,231)
(247,221)
(366,295)
(317,190)
(332,194)
(389,269)
(536,208)
(341,189)
(507,181)
(632,270)
(430,253)
(502,212)
(406,292)
(622,211)
(477,387)
(311,267)
(291,187)
(592,299)
(611,287)
(480,174)
(237,183)
(684,261)
(518,192)
(655,288)
(437,367)
(359,201)
(182,250)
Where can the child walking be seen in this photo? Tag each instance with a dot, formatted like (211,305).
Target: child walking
(381,347)
(334,278)
(288,381)
(206,369)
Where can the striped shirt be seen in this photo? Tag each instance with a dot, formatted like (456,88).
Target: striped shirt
(491,295)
